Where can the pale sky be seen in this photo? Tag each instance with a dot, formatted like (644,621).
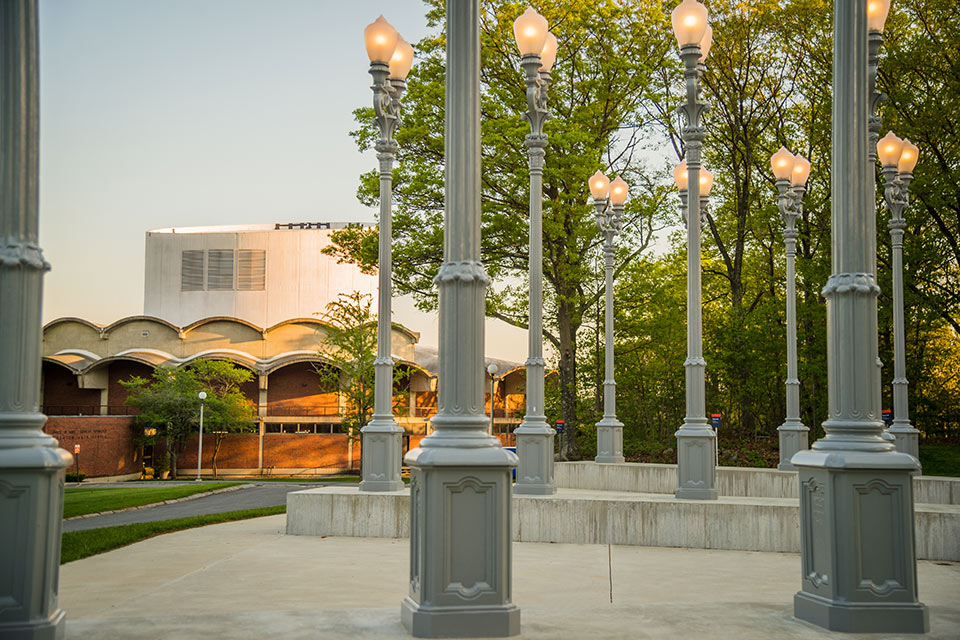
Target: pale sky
(160,113)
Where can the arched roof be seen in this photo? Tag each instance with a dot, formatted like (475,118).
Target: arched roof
(280,361)
(73,320)
(199,323)
(129,319)
(283,323)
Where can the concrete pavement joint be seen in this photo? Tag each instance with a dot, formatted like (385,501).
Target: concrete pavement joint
(171,501)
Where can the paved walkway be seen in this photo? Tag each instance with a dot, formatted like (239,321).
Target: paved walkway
(268,494)
(246,580)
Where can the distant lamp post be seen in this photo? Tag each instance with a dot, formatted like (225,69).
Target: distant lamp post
(898,158)
(681,178)
(390,60)
(609,220)
(492,370)
(203,396)
(538,48)
(791,173)
(696,441)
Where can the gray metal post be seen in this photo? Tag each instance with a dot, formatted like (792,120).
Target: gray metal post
(534,435)
(874,42)
(31,465)
(793,434)
(460,556)
(200,439)
(609,429)
(696,447)
(897,196)
(383,438)
(858,562)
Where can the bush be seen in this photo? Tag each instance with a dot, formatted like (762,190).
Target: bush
(75,477)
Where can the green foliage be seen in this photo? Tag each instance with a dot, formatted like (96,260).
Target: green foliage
(77,502)
(170,409)
(75,477)
(76,545)
(940,460)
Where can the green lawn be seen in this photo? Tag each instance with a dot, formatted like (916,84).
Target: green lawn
(80,544)
(77,502)
(940,459)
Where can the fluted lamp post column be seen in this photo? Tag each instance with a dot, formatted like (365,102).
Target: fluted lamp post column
(31,464)
(791,173)
(460,479)
(390,60)
(857,554)
(898,158)
(534,435)
(696,441)
(609,220)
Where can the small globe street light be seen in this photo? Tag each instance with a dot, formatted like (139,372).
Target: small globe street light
(898,158)
(609,221)
(534,436)
(203,396)
(791,173)
(390,60)
(696,440)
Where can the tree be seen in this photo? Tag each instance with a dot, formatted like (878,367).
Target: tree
(169,405)
(590,102)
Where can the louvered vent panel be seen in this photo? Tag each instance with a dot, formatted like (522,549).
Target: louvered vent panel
(220,270)
(191,270)
(251,270)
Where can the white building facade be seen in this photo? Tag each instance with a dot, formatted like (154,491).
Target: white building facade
(263,274)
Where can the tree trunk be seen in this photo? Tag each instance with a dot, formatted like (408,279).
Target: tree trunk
(568,380)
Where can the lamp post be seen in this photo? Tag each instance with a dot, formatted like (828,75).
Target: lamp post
(203,396)
(460,518)
(538,48)
(791,173)
(609,221)
(898,158)
(681,178)
(696,445)
(492,370)
(390,61)
(858,559)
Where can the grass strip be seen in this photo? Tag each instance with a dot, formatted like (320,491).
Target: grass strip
(75,545)
(309,480)
(940,459)
(77,501)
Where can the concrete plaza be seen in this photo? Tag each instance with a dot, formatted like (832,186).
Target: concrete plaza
(249,580)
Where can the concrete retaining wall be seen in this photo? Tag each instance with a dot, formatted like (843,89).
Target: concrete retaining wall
(731,481)
(591,517)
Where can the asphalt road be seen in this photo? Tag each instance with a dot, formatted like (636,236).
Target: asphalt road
(261,495)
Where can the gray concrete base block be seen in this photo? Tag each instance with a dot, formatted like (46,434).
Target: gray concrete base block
(861,617)
(609,459)
(381,485)
(793,437)
(609,442)
(460,622)
(687,493)
(52,629)
(534,489)
(535,466)
(786,466)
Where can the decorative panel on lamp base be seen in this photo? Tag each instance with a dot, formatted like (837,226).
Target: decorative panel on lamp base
(857,543)
(382,452)
(793,437)
(609,441)
(460,544)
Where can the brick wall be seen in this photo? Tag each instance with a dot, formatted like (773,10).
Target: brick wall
(116,393)
(238,451)
(107,443)
(295,451)
(297,386)
(62,394)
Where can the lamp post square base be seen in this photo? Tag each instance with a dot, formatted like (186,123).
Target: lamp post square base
(696,463)
(535,465)
(858,559)
(460,550)
(906,438)
(793,437)
(382,453)
(609,442)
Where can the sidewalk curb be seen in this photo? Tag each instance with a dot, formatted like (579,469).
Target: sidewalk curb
(171,501)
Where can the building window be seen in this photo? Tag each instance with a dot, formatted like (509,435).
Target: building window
(251,270)
(220,270)
(191,270)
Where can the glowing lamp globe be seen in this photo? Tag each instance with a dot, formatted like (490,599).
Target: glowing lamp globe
(706,43)
(908,157)
(530,32)
(680,176)
(801,171)
(549,54)
(619,190)
(782,164)
(877,11)
(689,22)
(599,186)
(380,39)
(706,181)
(402,60)
(889,149)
